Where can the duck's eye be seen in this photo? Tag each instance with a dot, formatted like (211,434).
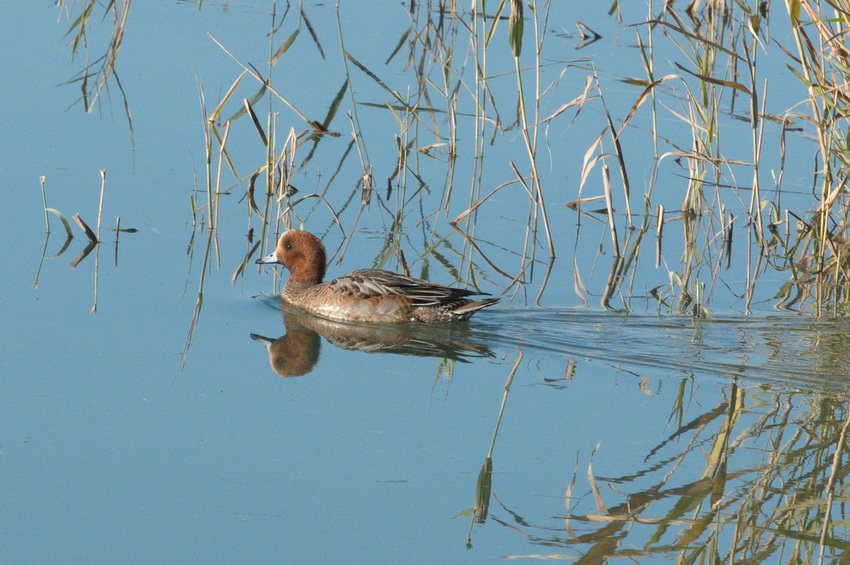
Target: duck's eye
(288,246)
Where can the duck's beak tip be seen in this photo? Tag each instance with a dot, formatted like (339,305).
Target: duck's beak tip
(268,259)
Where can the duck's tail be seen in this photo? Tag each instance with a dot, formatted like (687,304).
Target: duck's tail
(467,308)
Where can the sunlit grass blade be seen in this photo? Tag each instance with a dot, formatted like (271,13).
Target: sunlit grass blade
(497,16)
(227,95)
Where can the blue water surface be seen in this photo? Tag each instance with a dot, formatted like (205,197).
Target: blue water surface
(133,435)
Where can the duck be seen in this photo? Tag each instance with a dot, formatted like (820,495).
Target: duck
(365,295)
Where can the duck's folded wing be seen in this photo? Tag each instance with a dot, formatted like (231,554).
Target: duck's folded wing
(367,283)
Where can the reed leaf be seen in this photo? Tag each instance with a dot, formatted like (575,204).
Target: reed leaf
(377,79)
(64,221)
(284,47)
(312,31)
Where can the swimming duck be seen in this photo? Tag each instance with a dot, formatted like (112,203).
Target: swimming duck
(366,295)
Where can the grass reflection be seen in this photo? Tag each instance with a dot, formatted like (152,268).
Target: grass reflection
(484,484)
(700,496)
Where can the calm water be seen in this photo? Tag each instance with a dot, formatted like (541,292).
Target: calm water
(546,427)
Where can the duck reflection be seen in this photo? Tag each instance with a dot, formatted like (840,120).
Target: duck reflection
(297,351)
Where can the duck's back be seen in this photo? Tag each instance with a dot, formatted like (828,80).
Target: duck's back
(375,295)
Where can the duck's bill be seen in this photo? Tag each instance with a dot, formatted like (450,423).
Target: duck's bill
(270,258)
(267,341)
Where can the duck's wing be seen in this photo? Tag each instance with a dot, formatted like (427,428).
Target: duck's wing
(367,283)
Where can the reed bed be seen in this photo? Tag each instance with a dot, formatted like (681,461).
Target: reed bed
(479,82)
(457,110)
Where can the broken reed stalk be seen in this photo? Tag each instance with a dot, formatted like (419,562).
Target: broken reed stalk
(86,229)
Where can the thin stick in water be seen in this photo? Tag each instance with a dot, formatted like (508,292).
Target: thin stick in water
(44,201)
(100,206)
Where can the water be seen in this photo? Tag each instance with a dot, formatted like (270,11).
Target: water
(162,428)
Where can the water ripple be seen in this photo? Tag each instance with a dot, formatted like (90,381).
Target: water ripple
(798,351)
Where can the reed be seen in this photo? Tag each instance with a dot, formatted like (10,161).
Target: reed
(98,70)
(68,232)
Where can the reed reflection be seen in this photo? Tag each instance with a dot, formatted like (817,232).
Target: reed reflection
(699,494)
(297,352)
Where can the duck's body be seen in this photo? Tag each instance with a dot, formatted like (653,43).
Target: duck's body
(367,295)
